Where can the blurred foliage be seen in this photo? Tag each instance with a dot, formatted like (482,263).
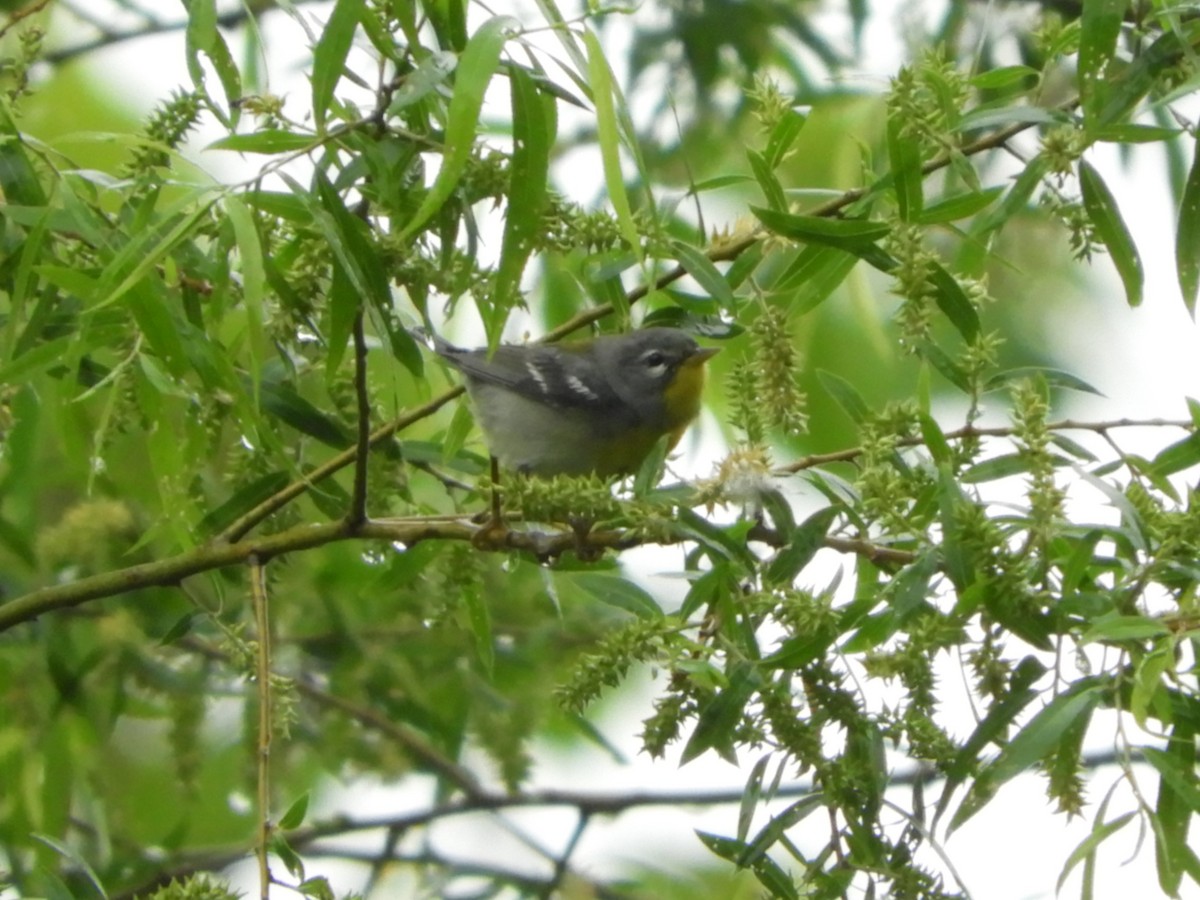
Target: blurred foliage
(184,361)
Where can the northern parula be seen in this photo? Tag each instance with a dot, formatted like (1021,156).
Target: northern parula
(596,406)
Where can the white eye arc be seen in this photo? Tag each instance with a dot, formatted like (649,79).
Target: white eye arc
(655,361)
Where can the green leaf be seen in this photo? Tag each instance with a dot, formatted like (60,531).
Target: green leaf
(765,869)
(802,546)
(243,500)
(701,268)
(1100,25)
(1003,77)
(783,136)
(767,181)
(19,183)
(1102,209)
(534,127)
(150,250)
(846,395)
(31,362)
(813,275)
(1053,377)
(269,140)
(430,74)
(1177,803)
(960,206)
(1183,454)
(724,542)
(1187,236)
(797,652)
(289,857)
(720,715)
(608,135)
(285,404)
(76,861)
(618,591)
(750,796)
(846,234)
(1116,627)
(294,817)
(203,37)
(253,280)
(997,467)
(1032,744)
(1086,848)
(476,66)
(329,56)
(904,156)
(953,301)
(479,620)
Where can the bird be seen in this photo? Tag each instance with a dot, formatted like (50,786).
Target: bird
(592,407)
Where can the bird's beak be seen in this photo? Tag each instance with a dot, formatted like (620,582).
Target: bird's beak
(701,356)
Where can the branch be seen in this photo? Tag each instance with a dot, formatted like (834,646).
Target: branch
(973,431)
(586,804)
(543,545)
(231,19)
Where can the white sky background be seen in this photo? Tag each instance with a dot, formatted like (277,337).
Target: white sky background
(1144,361)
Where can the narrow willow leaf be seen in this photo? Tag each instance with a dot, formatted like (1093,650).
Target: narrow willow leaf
(270,140)
(253,279)
(813,275)
(904,157)
(618,591)
(1086,848)
(846,234)
(1187,236)
(285,404)
(750,797)
(329,56)
(768,181)
(721,715)
(476,66)
(608,135)
(701,268)
(765,869)
(479,620)
(203,37)
(953,301)
(1102,209)
(1183,454)
(534,127)
(294,817)
(783,136)
(960,206)
(1031,744)
(1124,628)
(1053,377)
(802,546)
(150,252)
(846,395)
(1003,77)
(243,500)
(1100,25)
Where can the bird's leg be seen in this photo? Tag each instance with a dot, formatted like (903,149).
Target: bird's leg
(493,532)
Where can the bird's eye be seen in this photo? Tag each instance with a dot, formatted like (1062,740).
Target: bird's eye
(655,359)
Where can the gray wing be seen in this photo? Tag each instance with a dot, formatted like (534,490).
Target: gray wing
(549,375)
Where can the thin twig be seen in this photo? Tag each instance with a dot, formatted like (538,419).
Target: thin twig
(258,592)
(236,530)
(974,431)
(358,500)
